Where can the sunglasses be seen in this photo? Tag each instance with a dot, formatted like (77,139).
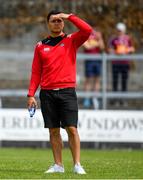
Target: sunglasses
(56,20)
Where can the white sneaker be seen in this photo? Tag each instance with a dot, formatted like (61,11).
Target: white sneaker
(95,103)
(55,169)
(79,169)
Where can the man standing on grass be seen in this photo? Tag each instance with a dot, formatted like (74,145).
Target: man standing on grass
(54,68)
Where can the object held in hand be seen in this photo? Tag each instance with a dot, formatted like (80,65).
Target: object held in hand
(32,111)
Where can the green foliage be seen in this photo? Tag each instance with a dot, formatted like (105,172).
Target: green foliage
(110,164)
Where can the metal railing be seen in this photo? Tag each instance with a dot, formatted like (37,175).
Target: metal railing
(104,94)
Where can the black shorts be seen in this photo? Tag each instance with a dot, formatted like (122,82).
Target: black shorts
(59,107)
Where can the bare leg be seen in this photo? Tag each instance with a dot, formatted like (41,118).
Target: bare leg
(97,84)
(57,144)
(88,85)
(74,143)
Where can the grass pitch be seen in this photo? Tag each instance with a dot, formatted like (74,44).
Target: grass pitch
(25,163)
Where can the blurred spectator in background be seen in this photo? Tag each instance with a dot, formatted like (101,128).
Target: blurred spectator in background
(120,44)
(94,45)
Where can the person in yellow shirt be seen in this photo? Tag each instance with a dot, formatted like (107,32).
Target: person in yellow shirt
(94,45)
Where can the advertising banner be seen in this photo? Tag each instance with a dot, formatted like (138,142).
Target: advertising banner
(93,126)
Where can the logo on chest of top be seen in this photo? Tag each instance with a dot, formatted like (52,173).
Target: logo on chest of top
(62,44)
(46,49)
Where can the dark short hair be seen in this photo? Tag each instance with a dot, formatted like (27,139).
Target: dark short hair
(53,12)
